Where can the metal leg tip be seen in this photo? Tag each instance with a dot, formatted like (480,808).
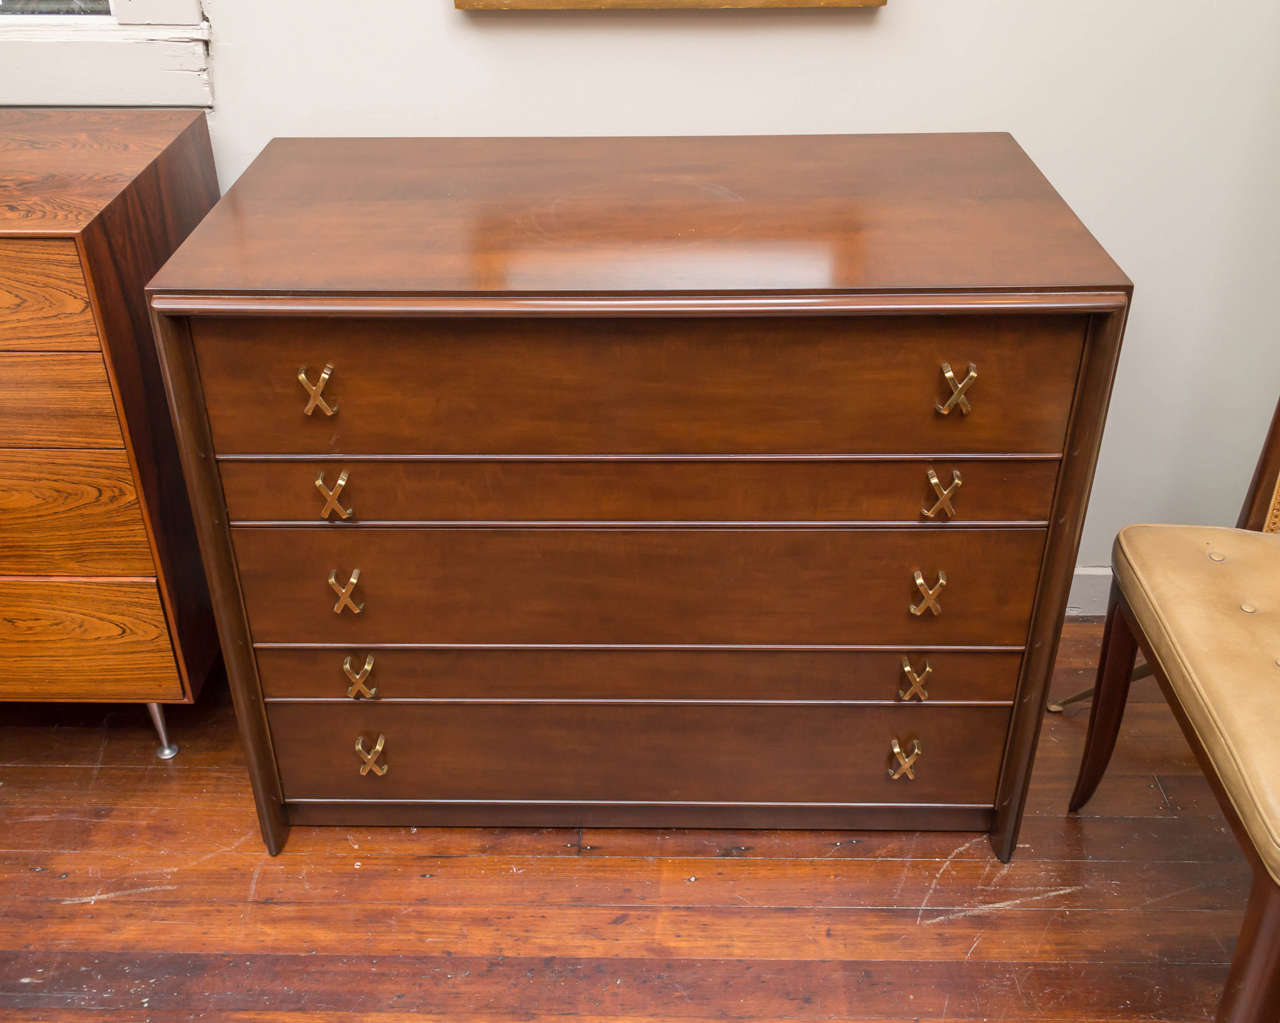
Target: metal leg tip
(167,752)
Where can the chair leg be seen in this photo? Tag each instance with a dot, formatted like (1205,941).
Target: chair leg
(1252,994)
(1111,690)
(167,750)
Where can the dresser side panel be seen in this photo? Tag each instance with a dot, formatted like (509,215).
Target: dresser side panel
(1071,500)
(123,248)
(186,400)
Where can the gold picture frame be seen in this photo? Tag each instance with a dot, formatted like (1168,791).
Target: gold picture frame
(651,5)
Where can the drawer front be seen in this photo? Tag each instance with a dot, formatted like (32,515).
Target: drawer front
(638,586)
(44,304)
(70,513)
(774,753)
(639,491)
(744,386)
(359,673)
(85,639)
(58,400)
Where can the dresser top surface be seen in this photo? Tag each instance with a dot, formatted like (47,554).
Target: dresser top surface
(640,216)
(60,167)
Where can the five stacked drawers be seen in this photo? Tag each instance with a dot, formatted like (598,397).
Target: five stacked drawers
(608,564)
(80,606)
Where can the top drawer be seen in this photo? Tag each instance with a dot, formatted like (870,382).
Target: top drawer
(639,386)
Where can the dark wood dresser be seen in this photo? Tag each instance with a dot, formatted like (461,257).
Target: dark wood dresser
(102,596)
(697,481)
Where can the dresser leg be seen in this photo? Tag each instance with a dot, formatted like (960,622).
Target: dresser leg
(167,750)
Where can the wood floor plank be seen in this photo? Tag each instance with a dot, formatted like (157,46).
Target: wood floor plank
(1045,837)
(108,829)
(127,789)
(1027,934)
(290,989)
(239,875)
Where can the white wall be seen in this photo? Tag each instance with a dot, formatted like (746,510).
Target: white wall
(1158,120)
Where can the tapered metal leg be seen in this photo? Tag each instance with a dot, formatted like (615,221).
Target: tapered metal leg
(167,750)
(1141,671)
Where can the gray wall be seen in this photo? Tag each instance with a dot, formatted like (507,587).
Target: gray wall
(1158,120)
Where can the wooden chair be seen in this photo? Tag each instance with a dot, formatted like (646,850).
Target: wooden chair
(1203,605)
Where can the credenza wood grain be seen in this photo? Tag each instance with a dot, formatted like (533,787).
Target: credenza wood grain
(651,386)
(85,639)
(70,513)
(656,490)
(44,303)
(56,400)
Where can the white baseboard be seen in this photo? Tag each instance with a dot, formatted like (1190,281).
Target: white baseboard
(1090,587)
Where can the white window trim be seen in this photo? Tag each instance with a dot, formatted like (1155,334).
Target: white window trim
(128,58)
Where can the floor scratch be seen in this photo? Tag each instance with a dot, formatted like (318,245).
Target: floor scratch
(99,896)
(253,882)
(942,870)
(989,906)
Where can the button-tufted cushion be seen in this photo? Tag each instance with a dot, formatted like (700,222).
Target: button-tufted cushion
(1208,600)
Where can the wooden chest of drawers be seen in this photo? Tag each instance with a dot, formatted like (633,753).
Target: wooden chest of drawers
(729,481)
(101,592)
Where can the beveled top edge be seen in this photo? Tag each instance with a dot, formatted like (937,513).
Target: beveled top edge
(177,303)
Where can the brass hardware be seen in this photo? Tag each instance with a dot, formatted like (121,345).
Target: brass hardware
(370,756)
(331,502)
(905,763)
(315,392)
(929,593)
(958,388)
(943,504)
(358,689)
(344,592)
(917,680)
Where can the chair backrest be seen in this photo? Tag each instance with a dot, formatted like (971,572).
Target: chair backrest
(1261,509)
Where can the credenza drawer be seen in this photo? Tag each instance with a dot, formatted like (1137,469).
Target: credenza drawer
(85,639)
(650,490)
(638,586)
(643,386)
(70,513)
(361,673)
(56,400)
(44,303)
(699,753)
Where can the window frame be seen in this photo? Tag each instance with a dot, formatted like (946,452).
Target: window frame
(145,53)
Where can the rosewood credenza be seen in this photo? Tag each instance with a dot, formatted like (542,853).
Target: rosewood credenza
(102,597)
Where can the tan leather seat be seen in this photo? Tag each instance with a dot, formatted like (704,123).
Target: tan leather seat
(1208,600)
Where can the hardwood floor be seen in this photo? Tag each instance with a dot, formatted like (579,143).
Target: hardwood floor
(136,889)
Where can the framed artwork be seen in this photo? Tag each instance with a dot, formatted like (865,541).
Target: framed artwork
(650,5)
